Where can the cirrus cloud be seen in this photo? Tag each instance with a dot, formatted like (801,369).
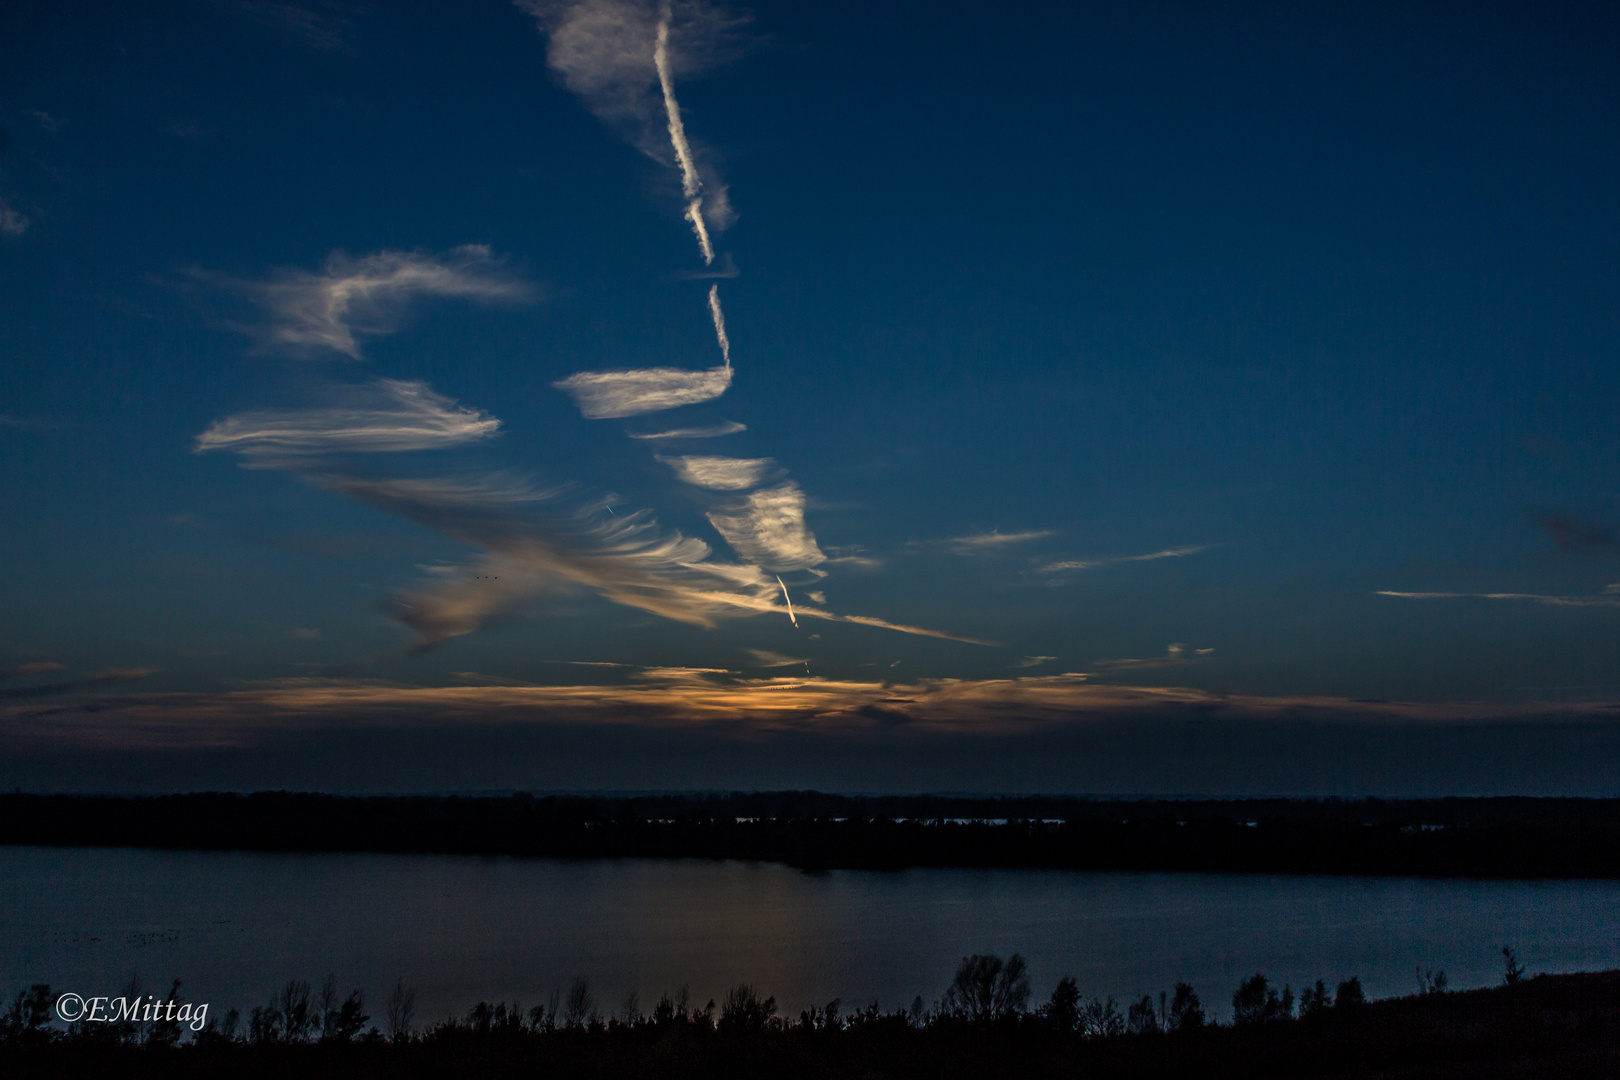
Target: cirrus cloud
(352,297)
(386,415)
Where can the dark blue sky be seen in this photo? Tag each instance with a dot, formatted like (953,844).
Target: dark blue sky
(1270,346)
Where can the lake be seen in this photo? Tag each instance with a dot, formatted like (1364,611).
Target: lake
(235,926)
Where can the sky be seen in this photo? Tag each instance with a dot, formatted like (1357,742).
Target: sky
(607,395)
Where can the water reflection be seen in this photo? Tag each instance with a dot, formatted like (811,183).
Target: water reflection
(236,926)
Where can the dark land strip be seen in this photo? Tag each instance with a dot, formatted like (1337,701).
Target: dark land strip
(1463,837)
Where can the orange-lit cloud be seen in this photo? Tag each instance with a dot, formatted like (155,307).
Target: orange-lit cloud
(692,699)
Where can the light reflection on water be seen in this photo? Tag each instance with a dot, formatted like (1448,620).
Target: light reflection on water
(234,926)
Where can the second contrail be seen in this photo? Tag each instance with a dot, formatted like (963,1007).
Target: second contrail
(789,600)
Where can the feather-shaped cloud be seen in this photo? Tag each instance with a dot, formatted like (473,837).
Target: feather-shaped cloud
(604,395)
(382,416)
(767,528)
(351,297)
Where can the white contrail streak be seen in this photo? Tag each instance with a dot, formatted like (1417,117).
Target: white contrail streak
(789,600)
(691,182)
(694,214)
(719,324)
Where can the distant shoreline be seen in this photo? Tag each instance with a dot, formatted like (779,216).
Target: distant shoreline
(1506,838)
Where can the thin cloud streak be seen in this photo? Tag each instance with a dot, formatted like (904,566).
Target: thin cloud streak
(351,297)
(994,541)
(607,395)
(1536,598)
(1073,565)
(71,686)
(730,427)
(386,415)
(20,671)
(766,658)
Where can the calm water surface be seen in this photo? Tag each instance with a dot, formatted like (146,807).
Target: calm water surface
(234,926)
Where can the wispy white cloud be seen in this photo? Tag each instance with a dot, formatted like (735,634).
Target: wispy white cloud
(381,416)
(604,395)
(351,297)
(1606,600)
(52,124)
(622,58)
(13,222)
(1175,653)
(767,528)
(1069,566)
(1033,661)
(531,543)
(766,658)
(980,543)
(319,31)
(719,473)
(730,427)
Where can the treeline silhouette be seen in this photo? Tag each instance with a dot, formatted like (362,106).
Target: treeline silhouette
(1496,837)
(982,1026)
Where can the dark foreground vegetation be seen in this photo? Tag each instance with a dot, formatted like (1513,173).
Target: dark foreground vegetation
(1564,1026)
(1498,837)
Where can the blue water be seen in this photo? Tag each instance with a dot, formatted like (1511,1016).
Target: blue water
(236,926)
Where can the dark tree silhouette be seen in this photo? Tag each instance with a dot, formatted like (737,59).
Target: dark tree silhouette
(1512,970)
(1186,1011)
(1255,1002)
(1349,995)
(1063,1008)
(1314,1001)
(988,988)
(579,1008)
(745,1011)
(400,1011)
(1141,1017)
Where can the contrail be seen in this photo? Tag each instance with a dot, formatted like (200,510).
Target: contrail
(694,214)
(719,323)
(691,182)
(789,600)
